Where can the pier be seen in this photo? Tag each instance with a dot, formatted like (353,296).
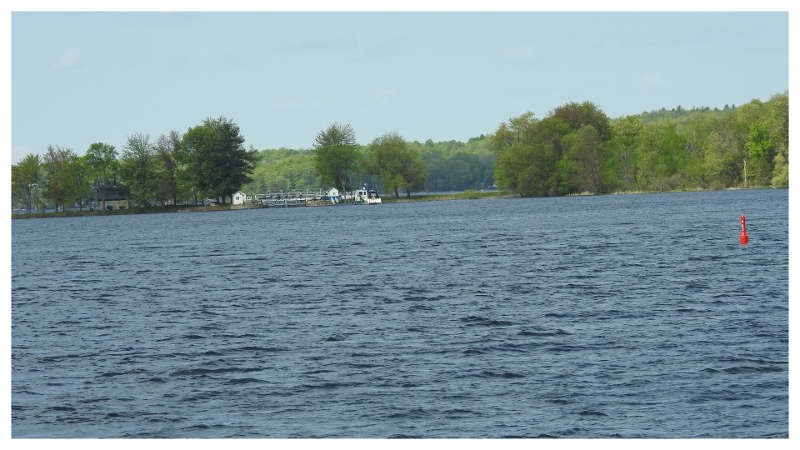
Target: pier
(292,198)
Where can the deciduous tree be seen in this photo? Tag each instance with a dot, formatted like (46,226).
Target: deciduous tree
(25,179)
(336,135)
(579,168)
(219,163)
(397,164)
(168,156)
(61,167)
(336,157)
(138,169)
(103,168)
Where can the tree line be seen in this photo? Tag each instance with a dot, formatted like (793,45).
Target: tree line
(449,166)
(209,160)
(576,148)
(388,161)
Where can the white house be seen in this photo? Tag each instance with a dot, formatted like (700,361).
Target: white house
(333,196)
(239,198)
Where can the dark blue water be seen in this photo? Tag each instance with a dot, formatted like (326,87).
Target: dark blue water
(613,316)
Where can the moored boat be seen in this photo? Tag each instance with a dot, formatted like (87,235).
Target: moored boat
(366,196)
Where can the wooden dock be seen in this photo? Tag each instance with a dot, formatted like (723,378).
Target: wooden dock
(286,199)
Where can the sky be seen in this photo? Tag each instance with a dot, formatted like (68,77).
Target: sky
(80,77)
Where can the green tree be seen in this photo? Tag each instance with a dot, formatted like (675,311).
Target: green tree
(137,169)
(521,127)
(529,165)
(397,164)
(283,169)
(780,177)
(580,167)
(649,161)
(336,135)
(761,153)
(719,168)
(467,165)
(168,162)
(696,131)
(500,140)
(219,163)
(336,157)
(81,181)
(673,150)
(62,168)
(518,130)
(779,131)
(336,166)
(25,179)
(526,169)
(186,178)
(577,115)
(622,149)
(103,168)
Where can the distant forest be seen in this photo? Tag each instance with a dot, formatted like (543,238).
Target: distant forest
(574,149)
(450,166)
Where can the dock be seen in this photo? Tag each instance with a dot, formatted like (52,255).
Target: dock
(291,198)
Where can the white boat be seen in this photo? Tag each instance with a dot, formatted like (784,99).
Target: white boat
(366,196)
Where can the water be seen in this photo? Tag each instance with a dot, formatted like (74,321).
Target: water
(613,316)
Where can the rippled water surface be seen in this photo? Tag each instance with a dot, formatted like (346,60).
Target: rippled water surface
(613,316)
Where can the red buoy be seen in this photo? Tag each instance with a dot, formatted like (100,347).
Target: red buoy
(743,236)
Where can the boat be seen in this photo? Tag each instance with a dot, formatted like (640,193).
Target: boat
(366,196)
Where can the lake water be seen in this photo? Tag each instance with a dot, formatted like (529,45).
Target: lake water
(610,316)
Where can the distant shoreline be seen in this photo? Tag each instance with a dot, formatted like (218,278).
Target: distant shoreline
(121,212)
(472,195)
(466,195)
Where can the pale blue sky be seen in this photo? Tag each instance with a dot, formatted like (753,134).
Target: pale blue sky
(79,78)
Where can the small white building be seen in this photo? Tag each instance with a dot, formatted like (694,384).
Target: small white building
(333,196)
(239,198)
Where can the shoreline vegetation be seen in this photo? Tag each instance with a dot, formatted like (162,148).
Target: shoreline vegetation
(573,150)
(468,194)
